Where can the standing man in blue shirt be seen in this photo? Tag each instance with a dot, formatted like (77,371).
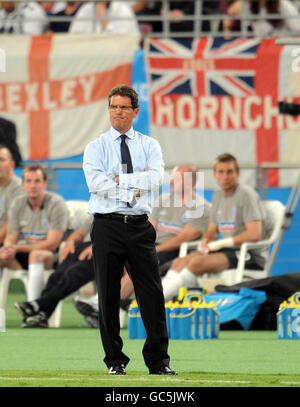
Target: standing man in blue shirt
(123,170)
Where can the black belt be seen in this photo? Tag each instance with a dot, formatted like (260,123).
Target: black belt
(122,218)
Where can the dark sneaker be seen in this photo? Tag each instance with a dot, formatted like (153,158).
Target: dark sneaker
(24,323)
(28,309)
(39,320)
(92,322)
(85,308)
(117,370)
(163,370)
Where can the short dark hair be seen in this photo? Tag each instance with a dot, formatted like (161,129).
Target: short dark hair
(35,167)
(225,158)
(125,90)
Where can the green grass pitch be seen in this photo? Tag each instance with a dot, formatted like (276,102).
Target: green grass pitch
(72,356)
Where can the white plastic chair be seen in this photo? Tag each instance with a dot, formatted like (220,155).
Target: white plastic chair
(76,208)
(275,211)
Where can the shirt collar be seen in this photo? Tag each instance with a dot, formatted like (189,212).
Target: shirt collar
(42,206)
(115,133)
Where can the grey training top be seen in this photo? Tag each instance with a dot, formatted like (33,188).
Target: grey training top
(233,213)
(171,219)
(34,226)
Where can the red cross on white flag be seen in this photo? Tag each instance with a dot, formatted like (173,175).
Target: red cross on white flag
(55,88)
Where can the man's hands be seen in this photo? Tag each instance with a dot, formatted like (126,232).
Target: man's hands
(86,254)
(67,248)
(8,252)
(137,193)
(204,249)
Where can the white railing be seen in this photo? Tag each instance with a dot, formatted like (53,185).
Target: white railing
(259,173)
(202,12)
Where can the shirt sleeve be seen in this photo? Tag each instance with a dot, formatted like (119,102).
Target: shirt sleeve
(146,180)
(7,200)
(251,207)
(13,217)
(199,218)
(59,218)
(214,207)
(98,180)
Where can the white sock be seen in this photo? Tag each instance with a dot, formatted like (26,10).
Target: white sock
(94,300)
(171,284)
(174,280)
(35,281)
(188,277)
(170,274)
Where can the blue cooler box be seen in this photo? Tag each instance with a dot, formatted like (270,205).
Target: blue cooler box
(288,318)
(136,328)
(193,321)
(185,320)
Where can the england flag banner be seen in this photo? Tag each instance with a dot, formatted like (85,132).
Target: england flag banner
(214,95)
(55,88)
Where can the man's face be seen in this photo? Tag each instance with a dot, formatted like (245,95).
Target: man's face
(34,184)
(121,113)
(182,182)
(6,163)
(226,175)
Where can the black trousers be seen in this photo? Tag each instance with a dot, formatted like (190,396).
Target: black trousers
(114,243)
(70,275)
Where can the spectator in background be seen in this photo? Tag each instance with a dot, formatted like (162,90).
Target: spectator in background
(177,10)
(85,22)
(265,27)
(37,222)
(74,270)
(70,9)
(10,187)
(53,6)
(22,18)
(8,137)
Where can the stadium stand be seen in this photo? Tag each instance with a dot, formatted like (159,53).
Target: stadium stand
(192,18)
(65,176)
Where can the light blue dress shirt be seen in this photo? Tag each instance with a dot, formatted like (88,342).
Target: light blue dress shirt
(102,162)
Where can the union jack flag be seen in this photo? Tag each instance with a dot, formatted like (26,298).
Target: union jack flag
(211,95)
(210,66)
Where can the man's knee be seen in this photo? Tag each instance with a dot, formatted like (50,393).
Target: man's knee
(197,265)
(39,256)
(176,262)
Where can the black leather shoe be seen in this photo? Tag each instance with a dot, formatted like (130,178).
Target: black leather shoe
(163,370)
(117,370)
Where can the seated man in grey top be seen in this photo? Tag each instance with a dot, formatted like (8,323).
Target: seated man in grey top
(74,270)
(236,214)
(37,222)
